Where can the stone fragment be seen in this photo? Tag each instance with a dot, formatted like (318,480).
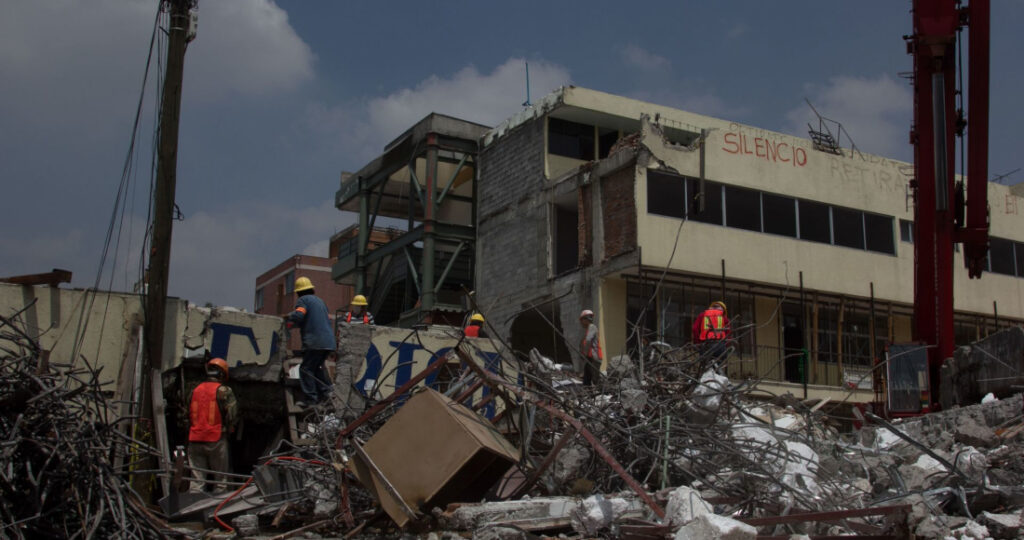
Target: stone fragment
(715,527)
(1001,525)
(246,524)
(685,504)
(633,400)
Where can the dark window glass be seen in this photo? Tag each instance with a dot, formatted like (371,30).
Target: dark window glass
(570,139)
(814,222)
(879,233)
(743,208)
(906,231)
(779,214)
(712,212)
(1019,248)
(1000,255)
(606,138)
(665,194)
(848,227)
(567,244)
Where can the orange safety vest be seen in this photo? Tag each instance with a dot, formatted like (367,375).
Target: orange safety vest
(204,414)
(366,317)
(712,325)
(596,348)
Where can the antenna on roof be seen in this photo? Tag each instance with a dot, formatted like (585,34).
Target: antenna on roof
(998,179)
(527,102)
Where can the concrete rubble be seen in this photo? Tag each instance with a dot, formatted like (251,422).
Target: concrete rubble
(674,451)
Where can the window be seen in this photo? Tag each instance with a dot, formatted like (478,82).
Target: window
(666,194)
(878,230)
(1000,256)
(606,139)
(567,241)
(814,222)
(1019,249)
(570,139)
(779,214)
(289,282)
(258,303)
(712,198)
(848,227)
(906,231)
(743,208)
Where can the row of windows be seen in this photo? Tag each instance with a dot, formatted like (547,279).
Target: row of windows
(577,141)
(1004,256)
(680,197)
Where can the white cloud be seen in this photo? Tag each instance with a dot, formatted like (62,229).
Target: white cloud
(318,249)
(876,112)
(217,255)
(364,126)
(644,60)
(68,63)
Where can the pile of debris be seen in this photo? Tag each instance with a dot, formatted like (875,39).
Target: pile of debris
(57,478)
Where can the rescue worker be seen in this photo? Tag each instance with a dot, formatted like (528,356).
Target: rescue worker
(711,331)
(213,413)
(475,326)
(318,342)
(358,314)
(590,348)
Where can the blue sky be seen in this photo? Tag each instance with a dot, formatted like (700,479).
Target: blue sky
(280,97)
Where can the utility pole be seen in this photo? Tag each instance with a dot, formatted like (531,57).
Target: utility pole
(163,198)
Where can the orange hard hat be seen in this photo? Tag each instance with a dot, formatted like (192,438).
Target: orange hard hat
(220,364)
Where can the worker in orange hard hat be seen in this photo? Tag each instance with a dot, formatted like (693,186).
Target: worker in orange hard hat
(359,314)
(711,330)
(475,326)
(213,414)
(590,348)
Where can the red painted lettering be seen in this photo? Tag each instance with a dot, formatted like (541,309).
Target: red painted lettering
(796,157)
(730,140)
(772,152)
(781,158)
(759,144)
(743,139)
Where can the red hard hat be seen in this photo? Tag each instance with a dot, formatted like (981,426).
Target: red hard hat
(220,364)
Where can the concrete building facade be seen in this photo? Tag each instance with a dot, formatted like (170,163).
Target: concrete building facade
(646,214)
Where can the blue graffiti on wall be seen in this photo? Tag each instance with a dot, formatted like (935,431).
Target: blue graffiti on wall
(401,362)
(221,341)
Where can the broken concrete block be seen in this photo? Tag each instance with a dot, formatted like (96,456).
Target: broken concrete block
(685,504)
(569,461)
(1001,525)
(246,524)
(971,530)
(597,512)
(973,433)
(715,527)
(620,365)
(473,516)
(633,400)
(972,463)
(500,533)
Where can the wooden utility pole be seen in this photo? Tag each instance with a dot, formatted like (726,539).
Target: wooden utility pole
(163,198)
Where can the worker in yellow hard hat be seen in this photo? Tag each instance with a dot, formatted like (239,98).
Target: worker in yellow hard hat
(475,326)
(359,314)
(311,316)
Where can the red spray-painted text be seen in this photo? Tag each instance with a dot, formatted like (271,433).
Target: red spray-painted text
(767,149)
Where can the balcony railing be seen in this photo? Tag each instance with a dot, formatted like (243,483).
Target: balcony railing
(780,364)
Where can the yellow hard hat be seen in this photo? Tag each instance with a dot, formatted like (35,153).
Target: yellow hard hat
(477,318)
(720,304)
(359,300)
(303,284)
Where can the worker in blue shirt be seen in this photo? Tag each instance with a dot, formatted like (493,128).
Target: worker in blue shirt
(310,316)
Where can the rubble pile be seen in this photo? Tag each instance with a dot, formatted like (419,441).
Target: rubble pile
(57,479)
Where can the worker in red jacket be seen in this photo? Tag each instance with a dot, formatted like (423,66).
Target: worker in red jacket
(475,326)
(711,331)
(213,413)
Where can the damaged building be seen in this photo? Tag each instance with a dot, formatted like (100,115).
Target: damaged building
(646,214)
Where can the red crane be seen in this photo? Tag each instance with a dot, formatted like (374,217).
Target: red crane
(939,201)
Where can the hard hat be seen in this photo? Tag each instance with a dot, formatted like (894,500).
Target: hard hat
(359,300)
(477,318)
(587,314)
(303,284)
(720,304)
(218,363)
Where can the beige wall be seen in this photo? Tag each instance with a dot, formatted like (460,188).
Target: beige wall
(113,320)
(611,313)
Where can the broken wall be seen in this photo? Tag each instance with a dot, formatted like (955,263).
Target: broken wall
(993,365)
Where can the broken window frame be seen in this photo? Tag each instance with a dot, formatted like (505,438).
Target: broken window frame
(571,139)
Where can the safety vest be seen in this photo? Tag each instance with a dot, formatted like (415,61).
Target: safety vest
(366,317)
(204,414)
(712,324)
(595,349)
(472,331)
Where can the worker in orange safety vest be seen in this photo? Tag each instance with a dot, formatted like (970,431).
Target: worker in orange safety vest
(359,314)
(711,331)
(213,413)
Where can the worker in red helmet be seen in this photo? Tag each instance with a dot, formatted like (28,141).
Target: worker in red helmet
(590,348)
(711,331)
(213,413)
